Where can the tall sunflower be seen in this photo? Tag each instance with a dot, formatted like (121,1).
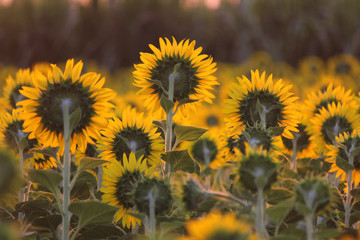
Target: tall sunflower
(193,80)
(331,121)
(276,100)
(119,182)
(12,88)
(346,142)
(132,133)
(43,109)
(218,226)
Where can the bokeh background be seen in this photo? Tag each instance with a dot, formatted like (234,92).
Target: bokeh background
(113,32)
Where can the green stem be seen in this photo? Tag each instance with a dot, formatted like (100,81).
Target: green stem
(348,199)
(294,152)
(152,199)
(260,214)
(309,226)
(66,173)
(22,173)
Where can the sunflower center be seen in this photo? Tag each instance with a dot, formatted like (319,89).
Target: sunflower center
(343,68)
(212,120)
(137,140)
(50,109)
(204,151)
(324,103)
(125,186)
(249,113)
(223,234)
(185,79)
(301,139)
(16,96)
(333,126)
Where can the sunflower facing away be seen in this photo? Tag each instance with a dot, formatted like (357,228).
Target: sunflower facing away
(241,109)
(119,182)
(40,161)
(43,109)
(132,133)
(11,90)
(193,80)
(217,226)
(346,142)
(330,122)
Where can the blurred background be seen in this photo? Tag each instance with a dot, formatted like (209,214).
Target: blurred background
(113,32)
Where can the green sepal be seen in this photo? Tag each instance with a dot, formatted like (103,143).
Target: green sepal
(46,178)
(181,160)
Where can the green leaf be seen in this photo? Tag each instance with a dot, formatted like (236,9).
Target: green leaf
(48,179)
(278,195)
(139,153)
(166,104)
(181,160)
(327,234)
(207,171)
(355,152)
(101,231)
(275,131)
(279,212)
(51,152)
(85,182)
(90,163)
(92,212)
(140,216)
(50,222)
(355,193)
(188,133)
(75,118)
(343,164)
(156,82)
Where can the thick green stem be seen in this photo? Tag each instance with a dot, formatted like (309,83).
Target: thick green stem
(348,199)
(309,226)
(294,152)
(260,214)
(66,172)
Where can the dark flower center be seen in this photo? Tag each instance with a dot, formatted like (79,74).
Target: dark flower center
(250,115)
(301,139)
(125,187)
(137,139)
(212,120)
(333,126)
(204,151)
(223,234)
(50,109)
(185,79)
(343,68)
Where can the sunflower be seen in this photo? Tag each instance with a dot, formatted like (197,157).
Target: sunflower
(343,65)
(193,80)
(311,67)
(42,67)
(345,142)
(208,117)
(241,109)
(332,121)
(233,144)
(119,182)
(126,100)
(321,98)
(43,109)
(218,226)
(12,94)
(40,161)
(133,133)
(207,149)
(11,129)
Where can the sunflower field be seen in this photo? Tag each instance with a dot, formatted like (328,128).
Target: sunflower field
(181,146)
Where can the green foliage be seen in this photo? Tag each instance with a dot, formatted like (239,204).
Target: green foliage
(48,179)
(188,133)
(181,160)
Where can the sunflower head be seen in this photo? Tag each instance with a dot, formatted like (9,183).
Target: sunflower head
(259,100)
(12,93)
(41,161)
(156,189)
(193,195)
(257,170)
(312,195)
(119,182)
(218,226)
(132,133)
(193,77)
(84,93)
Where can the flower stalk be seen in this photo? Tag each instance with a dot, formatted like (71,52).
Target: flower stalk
(309,226)
(260,213)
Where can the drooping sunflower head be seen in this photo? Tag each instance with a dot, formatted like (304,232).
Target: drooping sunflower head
(218,226)
(12,131)
(332,121)
(41,161)
(193,79)
(345,150)
(132,133)
(43,109)
(12,93)
(274,100)
(119,182)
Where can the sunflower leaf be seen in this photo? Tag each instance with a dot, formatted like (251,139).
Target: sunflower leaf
(275,131)
(160,124)
(327,234)
(166,104)
(279,212)
(50,180)
(355,152)
(188,133)
(343,164)
(355,193)
(92,212)
(90,163)
(181,160)
(75,118)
